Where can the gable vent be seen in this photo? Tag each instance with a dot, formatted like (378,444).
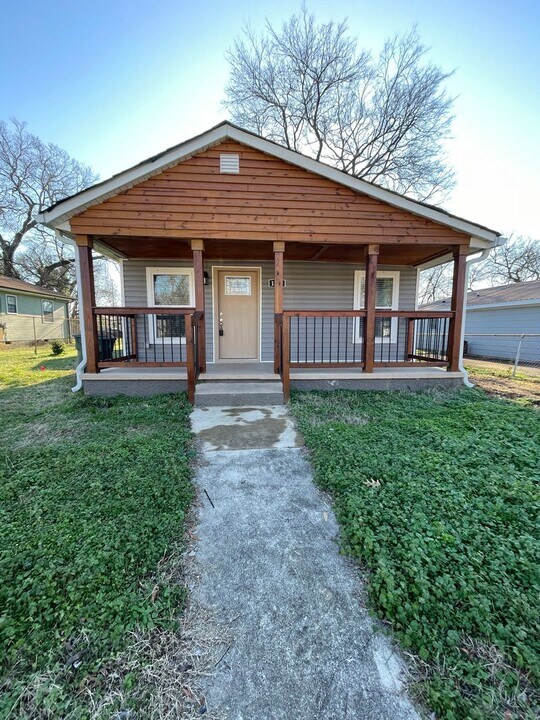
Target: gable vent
(229,163)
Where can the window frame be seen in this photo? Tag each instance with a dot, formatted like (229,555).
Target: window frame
(241,276)
(8,311)
(43,320)
(358,303)
(152,320)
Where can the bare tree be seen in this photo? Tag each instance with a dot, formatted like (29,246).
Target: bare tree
(34,175)
(435,284)
(107,282)
(516,261)
(46,261)
(383,118)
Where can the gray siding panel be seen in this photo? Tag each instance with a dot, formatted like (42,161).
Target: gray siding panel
(135,295)
(330,286)
(503,321)
(310,286)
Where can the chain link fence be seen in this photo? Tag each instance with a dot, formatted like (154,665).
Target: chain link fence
(30,330)
(513,350)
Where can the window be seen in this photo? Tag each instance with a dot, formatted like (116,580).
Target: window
(47,311)
(237,285)
(387,298)
(170,287)
(11,304)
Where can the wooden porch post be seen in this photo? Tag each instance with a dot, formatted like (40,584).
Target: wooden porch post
(279,249)
(88,293)
(370,296)
(197,247)
(458,299)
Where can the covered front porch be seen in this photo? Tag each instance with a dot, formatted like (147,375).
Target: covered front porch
(235,248)
(147,349)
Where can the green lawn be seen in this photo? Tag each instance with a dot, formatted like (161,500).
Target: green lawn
(438,495)
(93,498)
(20,366)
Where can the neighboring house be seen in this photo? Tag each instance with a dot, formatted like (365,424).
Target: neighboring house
(497,317)
(29,312)
(245,261)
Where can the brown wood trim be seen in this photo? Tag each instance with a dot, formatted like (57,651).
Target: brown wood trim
(255,231)
(190,361)
(325,313)
(458,298)
(370,297)
(279,249)
(428,359)
(199,302)
(320,252)
(136,363)
(286,359)
(412,364)
(278,333)
(86,265)
(415,314)
(409,345)
(143,311)
(300,365)
(435,256)
(134,335)
(121,359)
(84,241)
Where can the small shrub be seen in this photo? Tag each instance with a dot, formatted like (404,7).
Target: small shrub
(57,347)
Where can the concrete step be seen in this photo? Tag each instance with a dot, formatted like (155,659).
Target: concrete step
(238,394)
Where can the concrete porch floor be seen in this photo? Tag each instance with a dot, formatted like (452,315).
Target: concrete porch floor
(256,383)
(261,371)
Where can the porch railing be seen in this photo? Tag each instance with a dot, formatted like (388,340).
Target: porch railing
(337,339)
(406,337)
(150,337)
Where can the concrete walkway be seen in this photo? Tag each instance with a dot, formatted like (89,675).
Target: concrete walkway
(304,646)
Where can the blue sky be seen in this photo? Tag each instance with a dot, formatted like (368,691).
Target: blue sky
(114,81)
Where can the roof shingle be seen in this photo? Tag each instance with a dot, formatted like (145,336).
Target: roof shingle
(514,292)
(14,284)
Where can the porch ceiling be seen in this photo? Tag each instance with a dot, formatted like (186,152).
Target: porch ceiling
(250,250)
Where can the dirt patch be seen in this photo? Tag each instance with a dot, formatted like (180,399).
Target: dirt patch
(496,379)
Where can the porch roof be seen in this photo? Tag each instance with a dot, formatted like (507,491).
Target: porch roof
(147,248)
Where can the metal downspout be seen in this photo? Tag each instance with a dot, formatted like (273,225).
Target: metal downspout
(483,255)
(79,370)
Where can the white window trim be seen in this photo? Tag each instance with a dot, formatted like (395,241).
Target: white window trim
(150,272)
(359,302)
(8,311)
(48,322)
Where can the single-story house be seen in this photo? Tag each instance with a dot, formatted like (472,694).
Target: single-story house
(246,262)
(501,320)
(30,312)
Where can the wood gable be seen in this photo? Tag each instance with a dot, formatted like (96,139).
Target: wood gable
(268,200)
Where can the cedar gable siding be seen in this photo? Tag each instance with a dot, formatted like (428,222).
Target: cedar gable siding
(268,200)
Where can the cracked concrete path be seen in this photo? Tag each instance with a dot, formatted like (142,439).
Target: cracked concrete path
(304,645)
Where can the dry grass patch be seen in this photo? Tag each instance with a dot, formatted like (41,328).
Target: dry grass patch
(496,379)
